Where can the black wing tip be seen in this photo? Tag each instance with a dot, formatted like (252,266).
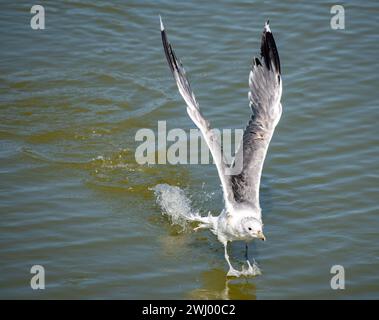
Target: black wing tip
(257,62)
(169,52)
(268,49)
(173,62)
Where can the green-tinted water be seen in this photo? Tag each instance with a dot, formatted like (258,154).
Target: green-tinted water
(74,200)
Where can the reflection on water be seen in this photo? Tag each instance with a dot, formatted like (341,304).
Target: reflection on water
(215,285)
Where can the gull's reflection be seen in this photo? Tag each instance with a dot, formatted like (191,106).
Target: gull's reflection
(215,285)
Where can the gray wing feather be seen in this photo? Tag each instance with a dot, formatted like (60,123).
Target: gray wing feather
(264,97)
(193,110)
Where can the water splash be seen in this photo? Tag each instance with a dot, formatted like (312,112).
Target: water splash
(175,204)
(251,271)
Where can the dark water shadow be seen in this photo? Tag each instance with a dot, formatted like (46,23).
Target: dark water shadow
(215,285)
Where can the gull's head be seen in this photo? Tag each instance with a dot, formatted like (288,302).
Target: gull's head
(252,228)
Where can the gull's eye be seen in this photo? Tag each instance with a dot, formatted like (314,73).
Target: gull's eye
(249,228)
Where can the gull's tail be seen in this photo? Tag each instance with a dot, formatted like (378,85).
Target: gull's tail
(177,207)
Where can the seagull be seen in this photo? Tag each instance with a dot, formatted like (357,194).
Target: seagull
(241,219)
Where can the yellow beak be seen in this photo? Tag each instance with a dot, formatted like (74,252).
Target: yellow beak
(261,236)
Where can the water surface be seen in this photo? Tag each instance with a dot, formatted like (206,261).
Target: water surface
(73,198)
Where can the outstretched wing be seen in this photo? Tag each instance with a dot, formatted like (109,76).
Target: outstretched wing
(264,96)
(195,114)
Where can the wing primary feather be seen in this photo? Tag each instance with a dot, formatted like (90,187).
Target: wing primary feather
(269,52)
(193,110)
(264,99)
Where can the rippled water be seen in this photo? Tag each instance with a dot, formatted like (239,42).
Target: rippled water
(74,200)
